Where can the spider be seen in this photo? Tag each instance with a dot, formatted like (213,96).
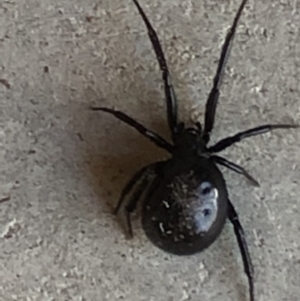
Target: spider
(186,202)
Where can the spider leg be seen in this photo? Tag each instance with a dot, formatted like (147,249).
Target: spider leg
(158,140)
(212,101)
(235,167)
(129,186)
(140,179)
(131,206)
(241,238)
(169,90)
(226,142)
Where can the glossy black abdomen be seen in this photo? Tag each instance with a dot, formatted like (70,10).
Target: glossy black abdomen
(186,207)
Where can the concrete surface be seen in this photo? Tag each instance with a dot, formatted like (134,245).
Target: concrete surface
(63,167)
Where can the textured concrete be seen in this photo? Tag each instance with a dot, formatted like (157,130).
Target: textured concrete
(62,166)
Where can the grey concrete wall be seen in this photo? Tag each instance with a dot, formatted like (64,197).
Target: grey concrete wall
(63,167)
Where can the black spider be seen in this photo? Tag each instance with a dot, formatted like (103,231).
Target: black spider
(186,201)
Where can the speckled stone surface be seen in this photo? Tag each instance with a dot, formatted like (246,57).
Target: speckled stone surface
(63,167)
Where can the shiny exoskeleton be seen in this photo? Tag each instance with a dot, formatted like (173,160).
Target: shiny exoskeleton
(186,203)
(187,207)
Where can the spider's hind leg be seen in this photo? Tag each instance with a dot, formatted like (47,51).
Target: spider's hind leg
(241,238)
(235,167)
(130,185)
(140,181)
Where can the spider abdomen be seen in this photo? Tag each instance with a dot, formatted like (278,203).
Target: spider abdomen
(187,208)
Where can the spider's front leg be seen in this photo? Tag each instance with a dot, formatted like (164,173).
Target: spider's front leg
(212,101)
(169,90)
